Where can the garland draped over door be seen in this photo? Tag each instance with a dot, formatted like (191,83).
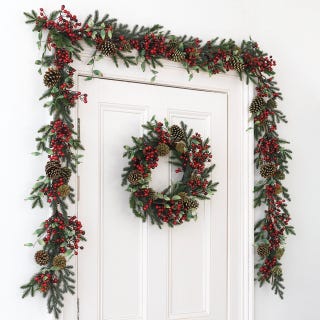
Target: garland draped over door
(60,37)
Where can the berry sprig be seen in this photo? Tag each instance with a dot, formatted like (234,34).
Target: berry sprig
(62,235)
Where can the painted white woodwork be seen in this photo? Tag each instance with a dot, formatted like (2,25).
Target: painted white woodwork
(132,270)
(25,114)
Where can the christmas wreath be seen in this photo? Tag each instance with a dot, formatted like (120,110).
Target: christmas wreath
(60,36)
(177,203)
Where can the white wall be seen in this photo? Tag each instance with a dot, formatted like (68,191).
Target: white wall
(287,29)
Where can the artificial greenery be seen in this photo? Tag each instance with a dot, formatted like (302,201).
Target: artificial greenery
(61,37)
(188,152)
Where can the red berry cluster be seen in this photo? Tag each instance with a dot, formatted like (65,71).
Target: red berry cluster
(192,54)
(62,57)
(51,190)
(220,58)
(59,143)
(199,154)
(163,135)
(267,267)
(150,156)
(65,234)
(264,89)
(72,96)
(153,45)
(258,64)
(277,217)
(66,23)
(173,213)
(268,149)
(123,43)
(198,186)
(263,117)
(137,164)
(44,280)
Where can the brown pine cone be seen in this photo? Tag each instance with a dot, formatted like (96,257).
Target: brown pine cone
(279,253)
(134,177)
(51,77)
(257,105)
(272,103)
(163,149)
(276,271)
(263,250)
(59,261)
(190,204)
(181,147)
(108,48)
(53,169)
(268,170)
(41,257)
(65,173)
(177,133)
(64,190)
(237,65)
(177,55)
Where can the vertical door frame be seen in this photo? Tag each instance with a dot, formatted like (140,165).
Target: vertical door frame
(217,84)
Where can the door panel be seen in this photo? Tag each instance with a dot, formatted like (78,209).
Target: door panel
(132,270)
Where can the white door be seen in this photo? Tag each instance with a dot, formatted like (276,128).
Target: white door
(132,270)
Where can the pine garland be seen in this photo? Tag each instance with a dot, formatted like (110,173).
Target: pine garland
(60,37)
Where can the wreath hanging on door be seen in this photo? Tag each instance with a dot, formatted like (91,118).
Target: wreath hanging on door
(59,235)
(189,152)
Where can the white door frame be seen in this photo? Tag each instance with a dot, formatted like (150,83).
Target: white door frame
(218,83)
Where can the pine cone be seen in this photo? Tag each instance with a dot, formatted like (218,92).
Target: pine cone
(278,189)
(272,103)
(59,261)
(173,44)
(163,149)
(53,169)
(190,204)
(134,177)
(177,133)
(65,173)
(64,190)
(126,46)
(107,47)
(280,175)
(41,257)
(183,195)
(257,105)
(263,250)
(267,170)
(177,56)
(279,253)
(51,77)
(237,65)
(181,147)
(276,271)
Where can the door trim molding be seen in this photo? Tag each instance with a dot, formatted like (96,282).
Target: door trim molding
(199,83)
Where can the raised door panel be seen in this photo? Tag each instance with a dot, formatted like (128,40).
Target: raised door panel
(131,270)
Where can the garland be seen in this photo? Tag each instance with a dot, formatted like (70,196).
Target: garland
(60,37)
(189,153)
